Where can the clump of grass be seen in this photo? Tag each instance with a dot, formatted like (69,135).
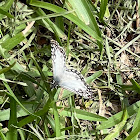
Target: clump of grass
(101,40)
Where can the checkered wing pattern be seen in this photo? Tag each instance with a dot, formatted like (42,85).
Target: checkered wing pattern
(69,79)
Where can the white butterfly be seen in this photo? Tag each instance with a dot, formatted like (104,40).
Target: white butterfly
(67,78)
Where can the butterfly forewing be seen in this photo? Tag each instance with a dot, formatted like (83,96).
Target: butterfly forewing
(67,78)
(58,60)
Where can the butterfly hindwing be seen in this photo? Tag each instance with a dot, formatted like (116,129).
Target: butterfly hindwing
(67,78)
(74,81)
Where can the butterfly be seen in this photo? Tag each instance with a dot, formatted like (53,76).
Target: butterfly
(69,79)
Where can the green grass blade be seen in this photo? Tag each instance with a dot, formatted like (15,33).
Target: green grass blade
(2,135)
(12,133)
(136,128)
(11,43)
(7,69)
(57,121)
(6,13)
(127,45)
(118,128)
(81,114)
(11,94)
(6,7)
(108,50)
(85,14)
(136,86)
(115,119)
(42,75)
(134,133)
(70,16)
(46,23)
(29,119)
(103,7)
(94,76)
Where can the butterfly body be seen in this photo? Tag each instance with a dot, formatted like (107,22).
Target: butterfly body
(69,79)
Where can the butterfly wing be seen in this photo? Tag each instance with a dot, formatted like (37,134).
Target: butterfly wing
(67,78)
(58,60)
(74,81)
